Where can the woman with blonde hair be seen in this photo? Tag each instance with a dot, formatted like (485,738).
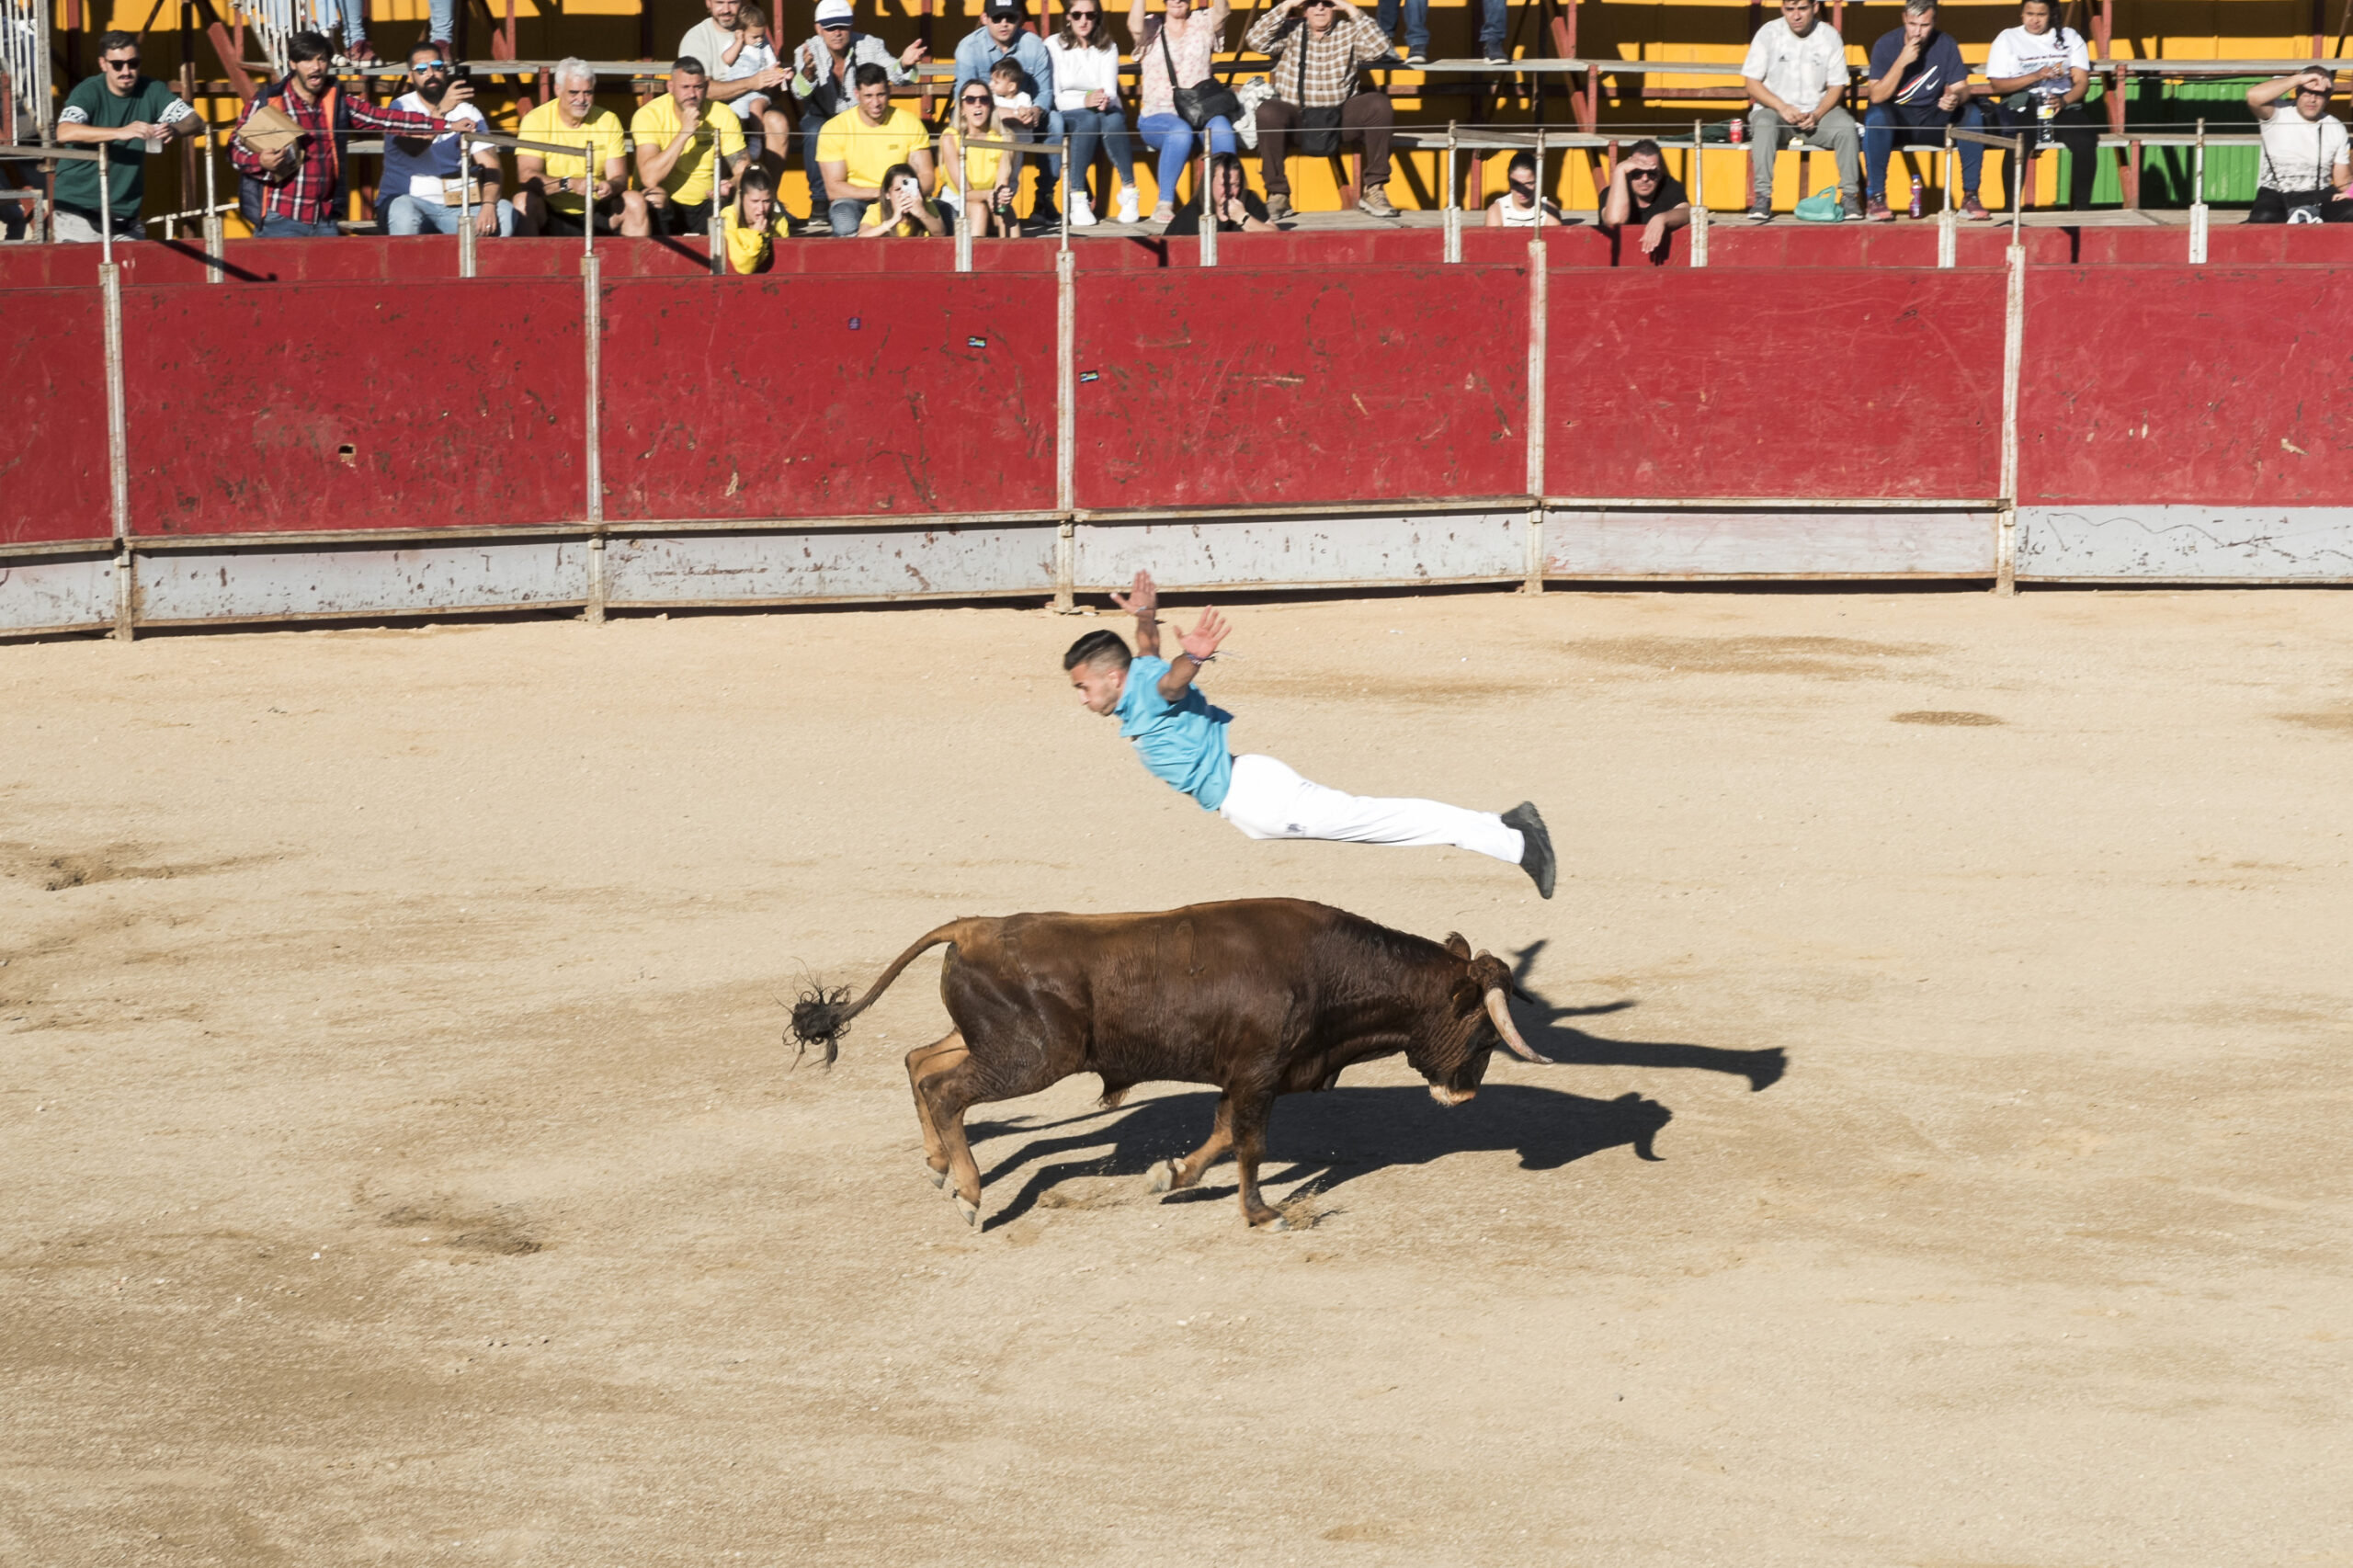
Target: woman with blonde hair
(976,181)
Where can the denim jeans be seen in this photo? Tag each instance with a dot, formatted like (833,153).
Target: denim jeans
(1172,139)
(355,21)
(1890,126)
(445,20)
(844,215)
(274,227)
(1091,128)
(1051,134)
(405,215)
(1493,22)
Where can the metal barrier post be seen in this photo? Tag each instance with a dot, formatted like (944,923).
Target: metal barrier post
(1069,184)
(1539,282)
(465,211)
(964,234)
(1065,426)
(1209,214)
(106,212)
(1949,220)
(215,234)
(1451,209)
(718,209)
(2198,205)
(2006,546)
(592,464)
(118,433)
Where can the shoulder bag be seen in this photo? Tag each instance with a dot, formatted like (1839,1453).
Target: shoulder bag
(1198,105)
(1319,128)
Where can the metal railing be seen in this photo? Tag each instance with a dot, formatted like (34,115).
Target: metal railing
(24,60)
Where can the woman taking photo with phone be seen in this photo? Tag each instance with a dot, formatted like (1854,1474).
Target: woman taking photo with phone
(903,211)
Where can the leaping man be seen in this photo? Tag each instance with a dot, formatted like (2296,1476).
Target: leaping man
(1181,739)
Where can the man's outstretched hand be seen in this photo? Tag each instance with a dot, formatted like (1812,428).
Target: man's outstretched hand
(1206,634)
(1141,599)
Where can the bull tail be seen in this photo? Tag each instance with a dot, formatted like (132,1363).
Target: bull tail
(821,1017)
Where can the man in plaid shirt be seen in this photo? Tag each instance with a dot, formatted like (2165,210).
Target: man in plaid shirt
(298,190)
(1319,49)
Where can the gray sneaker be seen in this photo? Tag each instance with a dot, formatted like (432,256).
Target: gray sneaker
(1279,206)
(1760,211)
(1536,852)
(1375,200)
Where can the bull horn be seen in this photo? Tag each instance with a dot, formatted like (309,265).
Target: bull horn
(1500,1011)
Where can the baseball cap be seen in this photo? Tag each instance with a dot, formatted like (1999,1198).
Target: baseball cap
(833,11)
(1002,8)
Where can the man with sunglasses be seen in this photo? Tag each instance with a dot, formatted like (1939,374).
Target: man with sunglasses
(1643,194)
(822,84)
(298,190)
(129,113)
(1318,51)
(2306,167)
(420,191)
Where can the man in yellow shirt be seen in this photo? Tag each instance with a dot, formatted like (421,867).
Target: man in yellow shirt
(858,146)
(556,189)
(679,136)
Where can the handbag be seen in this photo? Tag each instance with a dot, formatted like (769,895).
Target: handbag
(1198,105)
(1319,128)
(1824,206)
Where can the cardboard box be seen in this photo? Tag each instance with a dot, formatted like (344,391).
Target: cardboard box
(267,129)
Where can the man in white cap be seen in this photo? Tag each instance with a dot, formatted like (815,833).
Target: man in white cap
(821,71)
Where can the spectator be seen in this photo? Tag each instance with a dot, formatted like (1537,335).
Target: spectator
(557,193)
(2306,167)
(1172,51)
(356,49)
(1317,57)
(860,147)
(684,142)
(1519,207)
(1493,26)
(129,112)
(1087,93)
(1796,72)
(976,182)
(822,72)
(1918,86)
(298,190)
(901,210)
(1642,191)
(1238,207)
(2041,71)
(1000,37)
(751,52)
(751,222)
(420,189)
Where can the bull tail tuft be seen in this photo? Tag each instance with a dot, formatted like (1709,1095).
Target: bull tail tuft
(822,1014)
(819,1018)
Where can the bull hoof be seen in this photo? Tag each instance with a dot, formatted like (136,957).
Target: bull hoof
(971,1212)
(1270,1226)
(1163,1175)
(939,1178)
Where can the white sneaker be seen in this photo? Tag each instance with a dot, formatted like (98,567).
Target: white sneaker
(1082,216)
(1127,204)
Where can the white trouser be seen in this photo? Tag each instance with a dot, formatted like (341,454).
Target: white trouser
(1267,799)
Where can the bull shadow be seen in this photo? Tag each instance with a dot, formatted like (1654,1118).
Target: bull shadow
(1321,1141)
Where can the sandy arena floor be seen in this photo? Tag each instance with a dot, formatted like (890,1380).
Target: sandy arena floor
(403,1165)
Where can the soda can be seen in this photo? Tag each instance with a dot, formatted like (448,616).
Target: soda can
(1739,130)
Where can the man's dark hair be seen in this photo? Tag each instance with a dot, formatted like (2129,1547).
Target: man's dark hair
(688,65)
(1098,648)
(431,46)
(1224,163)
(870,75)
(110,42)
(1644,145)
(308,45)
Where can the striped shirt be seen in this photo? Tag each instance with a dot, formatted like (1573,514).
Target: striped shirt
(1332,59)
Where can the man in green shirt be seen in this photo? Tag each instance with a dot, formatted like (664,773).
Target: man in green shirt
(132,114)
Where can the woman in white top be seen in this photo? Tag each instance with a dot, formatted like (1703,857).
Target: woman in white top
(1517,207)
(2306,164)
(1087,91)
(2038,73)
(1186,38)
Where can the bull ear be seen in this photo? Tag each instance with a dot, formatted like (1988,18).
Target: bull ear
(1466,997)
(1455,944)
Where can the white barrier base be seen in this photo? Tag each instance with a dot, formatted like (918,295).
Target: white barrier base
(2186,544)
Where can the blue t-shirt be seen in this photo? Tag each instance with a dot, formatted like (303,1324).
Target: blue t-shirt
(1939,67)
(1181,742)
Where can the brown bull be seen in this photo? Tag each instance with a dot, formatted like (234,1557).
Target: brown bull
(1259,997)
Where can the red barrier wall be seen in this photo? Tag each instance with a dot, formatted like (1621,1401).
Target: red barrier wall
(463,405)
(1247,388)
(790,397)
(2207,385)
(53,406)
(1797,382)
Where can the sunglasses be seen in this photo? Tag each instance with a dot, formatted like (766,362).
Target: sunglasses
(1644,173)
(979,97)
(129,64)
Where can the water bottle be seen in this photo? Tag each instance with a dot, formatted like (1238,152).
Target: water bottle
(1918,205)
